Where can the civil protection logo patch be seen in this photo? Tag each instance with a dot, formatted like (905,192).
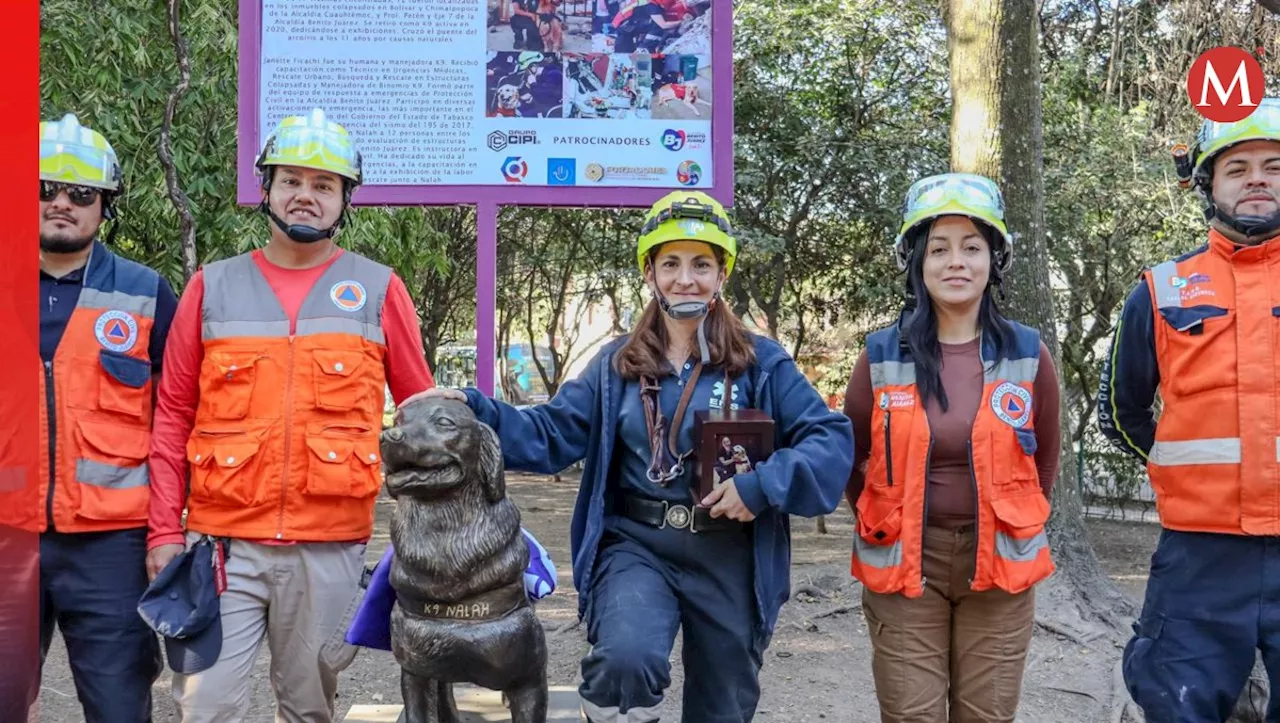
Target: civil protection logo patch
(348,295)
(1012,404)
(116,330)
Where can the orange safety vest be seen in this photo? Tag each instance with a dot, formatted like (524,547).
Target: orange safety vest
(1012,549)
(95,424)
(1214,465)
(285,443)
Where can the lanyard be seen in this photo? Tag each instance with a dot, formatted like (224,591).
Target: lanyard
(665,464)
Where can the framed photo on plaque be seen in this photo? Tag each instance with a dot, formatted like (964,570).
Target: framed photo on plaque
(729,443)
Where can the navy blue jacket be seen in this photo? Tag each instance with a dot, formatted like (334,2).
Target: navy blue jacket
(805,475)
(1130,378)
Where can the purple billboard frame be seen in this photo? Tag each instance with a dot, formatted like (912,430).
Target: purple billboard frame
(489,199)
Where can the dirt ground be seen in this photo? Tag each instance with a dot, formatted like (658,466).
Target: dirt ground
(816,669)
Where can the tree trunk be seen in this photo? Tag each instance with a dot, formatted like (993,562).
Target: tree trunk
(182,204)
(996,130)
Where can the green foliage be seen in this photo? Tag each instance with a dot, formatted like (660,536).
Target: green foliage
(113,64)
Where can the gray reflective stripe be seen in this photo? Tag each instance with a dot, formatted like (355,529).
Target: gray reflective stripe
(611,714)
(1016,371)
(1278,449)
(109,475)
(878,556)
(893,373)
(144,306)
(1162,276)
(236,290)
(332,325)
(1020,549)
(225,329)
(1196,451)
(238,301)
(372,276)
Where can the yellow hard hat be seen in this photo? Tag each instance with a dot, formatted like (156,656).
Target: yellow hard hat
(71,153)
(687,216)
(963,194)
(312,141)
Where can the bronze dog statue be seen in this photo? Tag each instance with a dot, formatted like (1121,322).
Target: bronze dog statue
(461,613)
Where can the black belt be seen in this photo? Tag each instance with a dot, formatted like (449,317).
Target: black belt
(660,513)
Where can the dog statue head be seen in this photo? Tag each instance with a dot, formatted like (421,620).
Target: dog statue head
(437,447)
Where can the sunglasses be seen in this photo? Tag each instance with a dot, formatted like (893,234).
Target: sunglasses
(80,195)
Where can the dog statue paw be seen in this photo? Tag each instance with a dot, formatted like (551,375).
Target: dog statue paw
(461,613)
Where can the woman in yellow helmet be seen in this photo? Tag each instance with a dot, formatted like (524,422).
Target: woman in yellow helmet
(955,417)
(649,558)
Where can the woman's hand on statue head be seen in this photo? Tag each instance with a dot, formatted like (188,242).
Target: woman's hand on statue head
(436,393)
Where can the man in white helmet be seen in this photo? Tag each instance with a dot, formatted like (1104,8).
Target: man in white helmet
(1204,331)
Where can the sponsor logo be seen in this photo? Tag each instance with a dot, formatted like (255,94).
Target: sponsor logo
(562,171)
(116,330)
(514,169)
(498,140)
(596,173)
(689,173)
(676,140)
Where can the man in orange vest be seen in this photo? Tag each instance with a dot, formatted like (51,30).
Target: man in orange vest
(103,322)
(271,406)
(1204,330)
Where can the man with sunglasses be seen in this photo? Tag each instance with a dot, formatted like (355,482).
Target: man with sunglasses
(271,407)
(1204,330)
(103,324)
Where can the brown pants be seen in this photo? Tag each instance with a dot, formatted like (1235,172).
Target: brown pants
(950,648)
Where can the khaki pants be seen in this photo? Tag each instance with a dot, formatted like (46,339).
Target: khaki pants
(296,596)
(950,648)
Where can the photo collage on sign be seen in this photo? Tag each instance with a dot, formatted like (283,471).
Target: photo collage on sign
(599,59)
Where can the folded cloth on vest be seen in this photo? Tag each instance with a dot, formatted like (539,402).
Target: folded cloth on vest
(371,627)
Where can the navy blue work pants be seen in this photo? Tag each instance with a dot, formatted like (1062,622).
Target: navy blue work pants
(648,584)
(1212,601)
(90,583)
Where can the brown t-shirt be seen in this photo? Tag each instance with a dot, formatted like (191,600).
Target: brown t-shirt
(950,489)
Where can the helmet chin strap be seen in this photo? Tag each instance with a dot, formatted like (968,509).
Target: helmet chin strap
(1247,226)
(691,310)
(301,233)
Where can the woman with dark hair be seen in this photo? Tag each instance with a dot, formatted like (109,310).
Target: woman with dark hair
(649,558)
(955,417)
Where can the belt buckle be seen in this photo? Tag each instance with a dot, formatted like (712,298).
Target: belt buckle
(677,516)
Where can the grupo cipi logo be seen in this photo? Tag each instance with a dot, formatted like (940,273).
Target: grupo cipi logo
(1225,84)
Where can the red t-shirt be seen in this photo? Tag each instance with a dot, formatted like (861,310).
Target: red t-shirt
(179,392)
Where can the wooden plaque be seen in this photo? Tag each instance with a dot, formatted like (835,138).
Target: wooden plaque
(729,442)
